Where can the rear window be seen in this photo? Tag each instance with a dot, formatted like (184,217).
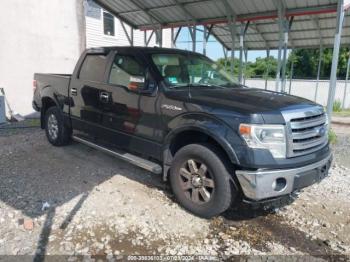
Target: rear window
(93,68)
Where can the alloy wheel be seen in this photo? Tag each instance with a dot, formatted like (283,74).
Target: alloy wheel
(196,181)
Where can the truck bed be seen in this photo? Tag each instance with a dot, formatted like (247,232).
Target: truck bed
(46,84)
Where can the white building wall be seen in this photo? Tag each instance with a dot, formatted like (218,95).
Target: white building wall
(95,36)
(37,36)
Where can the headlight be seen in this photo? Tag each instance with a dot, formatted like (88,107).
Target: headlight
(271,137)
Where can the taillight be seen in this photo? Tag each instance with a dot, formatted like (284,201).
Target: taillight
(35,85)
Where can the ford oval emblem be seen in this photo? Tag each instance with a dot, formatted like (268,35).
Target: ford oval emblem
(321,131)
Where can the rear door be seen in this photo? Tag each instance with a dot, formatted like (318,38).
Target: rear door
(85,93)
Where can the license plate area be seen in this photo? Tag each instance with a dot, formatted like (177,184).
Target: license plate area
(311,177)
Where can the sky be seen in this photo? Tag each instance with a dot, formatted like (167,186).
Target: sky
(214,48)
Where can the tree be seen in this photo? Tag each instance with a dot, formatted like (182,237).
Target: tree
(305,64)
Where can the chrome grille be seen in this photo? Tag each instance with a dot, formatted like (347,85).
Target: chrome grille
(306,130)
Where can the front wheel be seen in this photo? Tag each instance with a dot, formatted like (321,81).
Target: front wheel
(57,132)
(200,180)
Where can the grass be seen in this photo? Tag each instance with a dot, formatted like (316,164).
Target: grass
(337,106)
(33,122)
(332,137)
(343,113)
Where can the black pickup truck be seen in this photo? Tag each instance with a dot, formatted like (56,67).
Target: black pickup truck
(177,113)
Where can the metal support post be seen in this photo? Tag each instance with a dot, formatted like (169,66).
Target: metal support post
(243,31)
(172,38)
(245,65)
(283,30)
(232,25)
(267,67)
(159,34)
(346,83)
(225,55)
(287,27)
(206,35)
(205,40)
(132,36)
(291,76)
(333,78)
(281,16)
(320,58)
(193,33)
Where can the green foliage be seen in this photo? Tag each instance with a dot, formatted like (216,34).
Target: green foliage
(332,137)
(343,113)
(337,106)
(305,64)
(253,69)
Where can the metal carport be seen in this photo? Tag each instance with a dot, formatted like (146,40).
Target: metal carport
(246,25)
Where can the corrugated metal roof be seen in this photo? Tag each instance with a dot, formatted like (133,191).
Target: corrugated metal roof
(262,32)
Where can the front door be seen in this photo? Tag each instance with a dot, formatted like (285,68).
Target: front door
(130,105)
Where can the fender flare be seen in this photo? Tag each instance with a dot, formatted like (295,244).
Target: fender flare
(214,128)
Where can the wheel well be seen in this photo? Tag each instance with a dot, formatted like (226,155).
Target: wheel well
(46,104)
(191,137)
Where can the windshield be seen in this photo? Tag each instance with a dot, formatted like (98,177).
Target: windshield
(180,71)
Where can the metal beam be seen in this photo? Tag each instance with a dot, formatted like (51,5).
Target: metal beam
(129,37)
(304,11)
(256,28)
(333,78)
(327,8)
(174,36)
(264,34)
(150,16)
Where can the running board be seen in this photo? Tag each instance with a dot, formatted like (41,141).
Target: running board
(132,159)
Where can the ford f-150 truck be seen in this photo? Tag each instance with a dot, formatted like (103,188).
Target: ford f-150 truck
(177,113)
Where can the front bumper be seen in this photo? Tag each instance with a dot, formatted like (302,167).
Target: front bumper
(262,183)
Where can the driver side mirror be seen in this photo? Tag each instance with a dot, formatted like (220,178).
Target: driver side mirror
(145,87)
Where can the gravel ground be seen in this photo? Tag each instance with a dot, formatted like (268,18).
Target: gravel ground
(77,201)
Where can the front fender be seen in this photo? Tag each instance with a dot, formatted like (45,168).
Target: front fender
(209,125)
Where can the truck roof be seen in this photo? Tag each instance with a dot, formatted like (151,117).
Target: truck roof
(140,49)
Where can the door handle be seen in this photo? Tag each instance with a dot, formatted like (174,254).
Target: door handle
(74,91)
(104,97)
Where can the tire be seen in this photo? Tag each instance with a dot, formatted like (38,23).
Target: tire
(187,172)
(57,132)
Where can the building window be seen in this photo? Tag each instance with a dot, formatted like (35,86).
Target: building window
(108,24)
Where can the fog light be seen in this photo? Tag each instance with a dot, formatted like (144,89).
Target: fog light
(279,184)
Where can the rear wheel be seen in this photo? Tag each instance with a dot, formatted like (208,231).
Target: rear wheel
(57,132)
(200,180)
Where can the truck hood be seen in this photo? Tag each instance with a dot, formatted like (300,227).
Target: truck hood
(244,101)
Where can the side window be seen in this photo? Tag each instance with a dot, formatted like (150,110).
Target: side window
(93,68)
(108,24)
(128,72)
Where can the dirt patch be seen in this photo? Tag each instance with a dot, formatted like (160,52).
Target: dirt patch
(99,205)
